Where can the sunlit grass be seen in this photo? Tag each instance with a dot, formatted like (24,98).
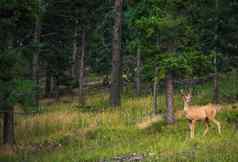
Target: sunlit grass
(99,132)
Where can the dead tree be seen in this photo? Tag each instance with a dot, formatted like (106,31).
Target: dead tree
(75,57)
(138,71)
(35,60)
(82,68)
(155,92)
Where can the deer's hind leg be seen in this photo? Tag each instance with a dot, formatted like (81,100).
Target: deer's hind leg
(218,125)
(206,122)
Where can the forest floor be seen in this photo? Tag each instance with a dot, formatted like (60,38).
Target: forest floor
(66,132)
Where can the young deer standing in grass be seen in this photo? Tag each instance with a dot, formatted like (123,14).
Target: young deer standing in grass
(204,113)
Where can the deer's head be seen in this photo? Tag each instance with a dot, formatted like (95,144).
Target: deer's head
(187,97)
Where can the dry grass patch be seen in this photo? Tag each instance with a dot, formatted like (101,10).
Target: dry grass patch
(148,121)
(6,150)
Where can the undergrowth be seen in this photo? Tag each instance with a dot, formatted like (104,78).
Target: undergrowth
(66,132)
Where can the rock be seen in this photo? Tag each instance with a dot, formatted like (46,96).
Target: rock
(129,158)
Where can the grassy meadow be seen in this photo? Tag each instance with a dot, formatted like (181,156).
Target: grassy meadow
(66,132)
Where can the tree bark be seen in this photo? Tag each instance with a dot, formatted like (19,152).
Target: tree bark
(138,71)
(47,83)
(170,118)
(215,89)
(215,80)
(52,86)
(155,92)
(116,56)
(8,115)
(82,69)
(75,57)
(35,61)
(8,127)
(56,88)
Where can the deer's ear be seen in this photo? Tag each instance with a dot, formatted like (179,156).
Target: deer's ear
(182,92)
(190,91)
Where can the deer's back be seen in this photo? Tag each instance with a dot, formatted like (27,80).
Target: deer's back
(201,112)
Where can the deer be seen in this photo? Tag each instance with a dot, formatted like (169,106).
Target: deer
(194,113)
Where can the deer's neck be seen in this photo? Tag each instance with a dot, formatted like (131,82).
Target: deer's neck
(186,105)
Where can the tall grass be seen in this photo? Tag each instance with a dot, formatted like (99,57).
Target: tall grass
(66,132)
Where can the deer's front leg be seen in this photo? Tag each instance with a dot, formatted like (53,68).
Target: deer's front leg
(192,128)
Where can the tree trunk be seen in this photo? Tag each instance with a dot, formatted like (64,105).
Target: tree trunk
(82,69)
(116,56)
(138,70)
(215,80)
(8,127)
(35,61)
(47,82)
(10,42)
(75,56)
(8,115)
(52,86)
(169,98)
(155,92)
(56,88)
(215,89)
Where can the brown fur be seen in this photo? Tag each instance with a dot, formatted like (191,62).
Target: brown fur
(204,113)
(201,112)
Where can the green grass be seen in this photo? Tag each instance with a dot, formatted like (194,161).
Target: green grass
(64,132)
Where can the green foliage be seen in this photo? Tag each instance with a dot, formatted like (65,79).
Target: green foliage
(18,10)
(14,87)
(231,118)
(190,63)
(168,32)
(168,39)
(11,64)
(23,93)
